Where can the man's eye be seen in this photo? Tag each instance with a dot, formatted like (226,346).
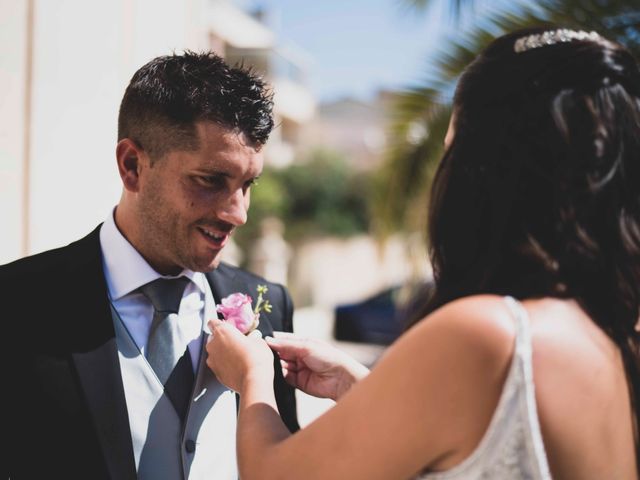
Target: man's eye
(211,181)
(249,183)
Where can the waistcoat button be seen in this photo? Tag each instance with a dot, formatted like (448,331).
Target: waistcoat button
(190,446)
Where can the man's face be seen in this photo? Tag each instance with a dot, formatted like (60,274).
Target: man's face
(189,203)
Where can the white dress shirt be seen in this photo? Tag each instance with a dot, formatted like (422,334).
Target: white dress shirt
(126,270)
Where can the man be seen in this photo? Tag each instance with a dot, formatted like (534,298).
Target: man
(101,381)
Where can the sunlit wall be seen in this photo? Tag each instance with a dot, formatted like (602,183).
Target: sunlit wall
(63,70)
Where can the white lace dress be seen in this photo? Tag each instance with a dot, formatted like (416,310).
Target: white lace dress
(511,448)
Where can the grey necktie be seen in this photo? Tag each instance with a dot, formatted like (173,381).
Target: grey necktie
(166,349)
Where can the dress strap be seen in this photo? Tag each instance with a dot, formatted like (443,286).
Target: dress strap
(523,332)
(524,354)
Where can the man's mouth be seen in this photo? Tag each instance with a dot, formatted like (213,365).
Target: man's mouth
(215,238)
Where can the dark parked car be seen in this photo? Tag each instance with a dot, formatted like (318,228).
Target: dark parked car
(379,319)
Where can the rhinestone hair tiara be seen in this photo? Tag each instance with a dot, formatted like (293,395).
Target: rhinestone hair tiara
(552,37)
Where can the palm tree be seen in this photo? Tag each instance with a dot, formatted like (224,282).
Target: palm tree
(421,113)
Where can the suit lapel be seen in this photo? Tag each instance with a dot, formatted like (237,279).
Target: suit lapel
(224,283)
(95,355)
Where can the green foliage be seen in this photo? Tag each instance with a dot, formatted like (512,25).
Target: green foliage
(316,197)
(268,198)
(325,197)
(401,187)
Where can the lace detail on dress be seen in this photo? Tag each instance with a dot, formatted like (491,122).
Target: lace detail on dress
(512,447)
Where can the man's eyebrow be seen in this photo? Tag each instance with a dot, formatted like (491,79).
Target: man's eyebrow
(223,174)
(214,172)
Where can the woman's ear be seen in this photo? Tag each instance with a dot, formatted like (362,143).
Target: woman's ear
(451,131)
(130,157)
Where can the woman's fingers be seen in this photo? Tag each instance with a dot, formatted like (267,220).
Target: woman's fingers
(290,374)
(285,335)
(214,323)
(289,347)
(217,325)
(289,366)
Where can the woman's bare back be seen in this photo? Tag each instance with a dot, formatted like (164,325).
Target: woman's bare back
(582,394)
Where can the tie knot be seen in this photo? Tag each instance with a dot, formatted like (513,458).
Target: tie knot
(165,293)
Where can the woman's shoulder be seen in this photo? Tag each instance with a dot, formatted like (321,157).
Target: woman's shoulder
(466,345)
(480,322)
(560,329)
(463,351)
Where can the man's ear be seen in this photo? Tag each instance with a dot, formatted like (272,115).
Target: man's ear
(129,156)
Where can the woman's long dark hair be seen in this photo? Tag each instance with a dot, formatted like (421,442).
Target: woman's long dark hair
(539,192)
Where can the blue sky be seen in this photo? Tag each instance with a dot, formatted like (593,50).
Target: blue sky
(355,46)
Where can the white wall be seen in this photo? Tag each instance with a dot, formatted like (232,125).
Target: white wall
(329,271)
(77,76)
(84,53)
(13,36)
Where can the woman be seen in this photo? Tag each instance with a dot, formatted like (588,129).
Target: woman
(537,198)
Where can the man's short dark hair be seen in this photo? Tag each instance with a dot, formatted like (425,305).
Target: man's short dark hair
(169,94)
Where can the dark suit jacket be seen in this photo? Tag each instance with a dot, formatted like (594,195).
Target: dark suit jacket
(63,408)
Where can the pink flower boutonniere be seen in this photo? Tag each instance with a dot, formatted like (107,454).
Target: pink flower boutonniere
(236,309)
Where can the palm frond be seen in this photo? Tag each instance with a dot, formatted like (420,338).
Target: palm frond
(615,19)
(404,178)
(397,187)
(419,121)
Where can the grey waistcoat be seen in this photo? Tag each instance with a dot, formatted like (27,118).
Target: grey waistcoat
(205,448)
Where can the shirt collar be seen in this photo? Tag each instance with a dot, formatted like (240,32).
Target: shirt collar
(125,269)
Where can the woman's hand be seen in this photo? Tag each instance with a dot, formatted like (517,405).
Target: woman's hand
(316,367)
(235,358)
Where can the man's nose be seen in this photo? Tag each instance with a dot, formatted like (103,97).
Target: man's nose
(235,209)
